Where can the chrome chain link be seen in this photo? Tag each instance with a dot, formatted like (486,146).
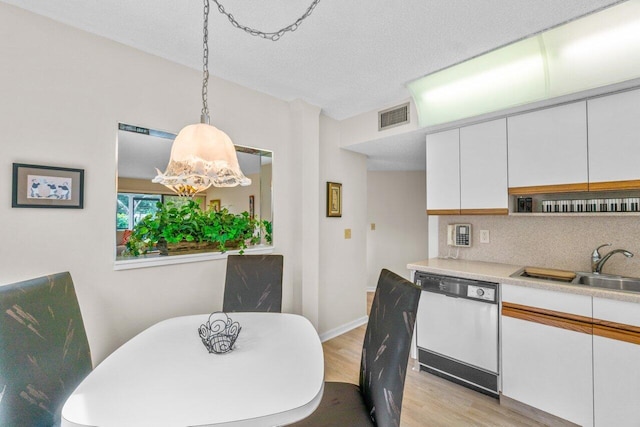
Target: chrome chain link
(274,36)
(205,61)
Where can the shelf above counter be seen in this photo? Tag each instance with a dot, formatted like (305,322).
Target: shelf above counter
(575,214)
(620,203)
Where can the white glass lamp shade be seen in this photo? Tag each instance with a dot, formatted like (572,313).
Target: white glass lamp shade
(201,156)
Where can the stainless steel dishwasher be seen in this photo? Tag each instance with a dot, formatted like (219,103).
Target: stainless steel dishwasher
(457,330)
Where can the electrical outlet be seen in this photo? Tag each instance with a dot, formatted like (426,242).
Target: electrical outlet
(484,236)
(347,233)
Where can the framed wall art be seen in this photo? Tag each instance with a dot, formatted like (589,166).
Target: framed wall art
(36,186)
(334,199)
(214,205)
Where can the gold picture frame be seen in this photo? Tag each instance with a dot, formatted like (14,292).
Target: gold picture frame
(334,199)
(214,205)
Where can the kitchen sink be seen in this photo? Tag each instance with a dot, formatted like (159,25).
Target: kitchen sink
(602,281)
(607,281)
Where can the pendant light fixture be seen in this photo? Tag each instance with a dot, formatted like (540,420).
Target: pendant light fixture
(203,155)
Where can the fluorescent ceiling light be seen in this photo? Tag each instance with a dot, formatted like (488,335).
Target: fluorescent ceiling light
(508,76)
(611,41)
(595,51)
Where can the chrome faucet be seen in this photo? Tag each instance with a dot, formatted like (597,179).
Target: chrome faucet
(597,261)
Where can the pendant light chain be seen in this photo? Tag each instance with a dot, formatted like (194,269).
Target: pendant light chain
(274,36)
(204,118)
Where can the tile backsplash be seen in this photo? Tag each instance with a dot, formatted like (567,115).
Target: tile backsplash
(547,241)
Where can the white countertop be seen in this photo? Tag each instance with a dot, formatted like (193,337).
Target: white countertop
(500,273)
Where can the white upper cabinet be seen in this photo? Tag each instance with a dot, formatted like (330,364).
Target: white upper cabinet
(467,170)
(443,172)
(549,148)
(590,145)
(614,137)
(483,166)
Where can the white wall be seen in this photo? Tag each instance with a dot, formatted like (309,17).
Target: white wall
(63,92)
(364,127)
(305,141)
(343,261)
(396,205)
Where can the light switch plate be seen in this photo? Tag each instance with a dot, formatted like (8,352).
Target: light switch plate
(373,226)
(347,233)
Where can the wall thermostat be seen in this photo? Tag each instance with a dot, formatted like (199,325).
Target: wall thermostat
(459,235)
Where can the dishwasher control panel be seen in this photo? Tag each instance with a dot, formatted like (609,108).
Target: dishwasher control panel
(457,287)
(481,292)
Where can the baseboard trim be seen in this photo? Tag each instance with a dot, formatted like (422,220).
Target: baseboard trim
(344,328)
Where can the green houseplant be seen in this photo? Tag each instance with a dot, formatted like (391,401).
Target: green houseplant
(189,228)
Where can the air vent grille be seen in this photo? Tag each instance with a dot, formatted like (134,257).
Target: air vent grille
(394,116)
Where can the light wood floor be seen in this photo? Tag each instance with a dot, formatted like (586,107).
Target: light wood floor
(428,400)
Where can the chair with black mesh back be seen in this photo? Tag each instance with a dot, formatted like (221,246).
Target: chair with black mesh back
(44,352)
(253,283)
(385,353)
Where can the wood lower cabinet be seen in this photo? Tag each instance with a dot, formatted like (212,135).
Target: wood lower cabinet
(616,363)
(547,358)
(573,356)
(616,379)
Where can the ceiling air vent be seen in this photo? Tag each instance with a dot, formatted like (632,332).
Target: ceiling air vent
(394,116)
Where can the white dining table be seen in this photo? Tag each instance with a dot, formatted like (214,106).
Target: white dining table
(166,377)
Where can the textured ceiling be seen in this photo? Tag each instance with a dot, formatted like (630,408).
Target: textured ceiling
(348,57)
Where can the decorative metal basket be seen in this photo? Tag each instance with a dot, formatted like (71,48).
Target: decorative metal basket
(219,333)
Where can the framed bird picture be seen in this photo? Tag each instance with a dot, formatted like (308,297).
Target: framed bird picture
(36,186)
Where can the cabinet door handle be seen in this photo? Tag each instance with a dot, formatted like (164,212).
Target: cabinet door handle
(557,319)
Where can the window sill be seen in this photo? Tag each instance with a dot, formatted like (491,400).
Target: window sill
(156,260)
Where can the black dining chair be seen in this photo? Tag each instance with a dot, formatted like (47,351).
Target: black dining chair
(253,283)
(44,352)
(377,401)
